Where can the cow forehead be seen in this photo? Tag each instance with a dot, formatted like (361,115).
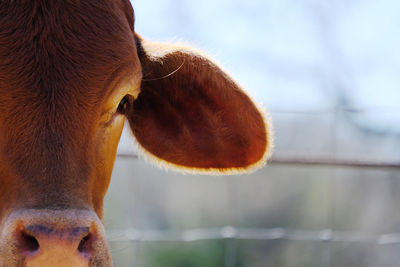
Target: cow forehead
(63,47)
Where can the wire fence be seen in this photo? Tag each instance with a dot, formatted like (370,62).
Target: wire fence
(326,238)
(230,234)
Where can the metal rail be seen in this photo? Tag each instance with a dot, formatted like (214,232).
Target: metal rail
(229,232)
(308,161)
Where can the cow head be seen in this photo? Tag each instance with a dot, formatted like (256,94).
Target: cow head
(71,72)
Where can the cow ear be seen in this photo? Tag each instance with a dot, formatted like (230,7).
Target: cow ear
(191,115)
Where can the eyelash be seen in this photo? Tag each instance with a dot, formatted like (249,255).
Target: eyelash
(123,104)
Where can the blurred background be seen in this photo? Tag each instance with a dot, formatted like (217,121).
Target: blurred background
(329,74)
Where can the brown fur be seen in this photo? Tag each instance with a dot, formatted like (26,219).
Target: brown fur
(64,67)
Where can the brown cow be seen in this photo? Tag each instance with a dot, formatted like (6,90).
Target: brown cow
(71,71)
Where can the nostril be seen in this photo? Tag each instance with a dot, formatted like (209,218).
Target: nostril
(27,243)
(85,246)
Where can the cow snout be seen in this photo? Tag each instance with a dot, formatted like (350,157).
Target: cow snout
(39,244)
(54,238)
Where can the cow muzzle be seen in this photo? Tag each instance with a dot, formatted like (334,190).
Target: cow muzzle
(62,238)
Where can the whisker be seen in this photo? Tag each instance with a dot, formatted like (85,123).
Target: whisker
(166,76)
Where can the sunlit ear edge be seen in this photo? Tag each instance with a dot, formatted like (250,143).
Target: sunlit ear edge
(156,51)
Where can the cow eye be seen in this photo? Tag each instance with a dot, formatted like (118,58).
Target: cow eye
(123,104)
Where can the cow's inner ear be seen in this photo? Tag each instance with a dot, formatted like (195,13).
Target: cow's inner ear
(190,114)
